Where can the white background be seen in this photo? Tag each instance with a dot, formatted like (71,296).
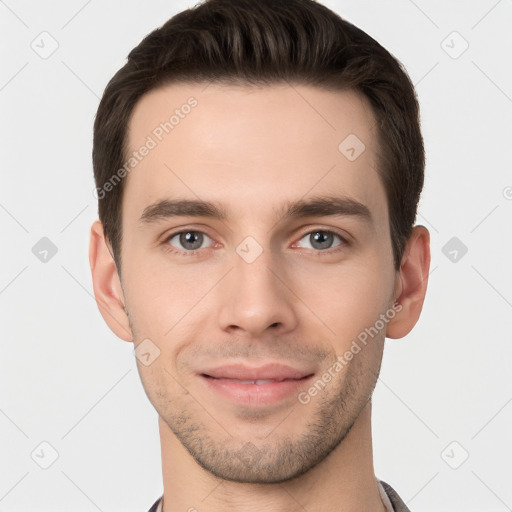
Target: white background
(68,381)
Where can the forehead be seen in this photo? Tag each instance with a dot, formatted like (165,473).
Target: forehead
(251,147)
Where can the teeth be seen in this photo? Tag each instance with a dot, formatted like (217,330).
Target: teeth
(259,382)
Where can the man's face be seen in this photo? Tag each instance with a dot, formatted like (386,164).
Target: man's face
(225,300)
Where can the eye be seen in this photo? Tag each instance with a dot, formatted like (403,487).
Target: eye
(322,239)
(188,240)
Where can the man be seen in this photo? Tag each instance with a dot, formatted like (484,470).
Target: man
(258,168)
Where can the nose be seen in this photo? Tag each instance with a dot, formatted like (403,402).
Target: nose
(256,296)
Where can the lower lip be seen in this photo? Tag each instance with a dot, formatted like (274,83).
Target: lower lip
(256,394)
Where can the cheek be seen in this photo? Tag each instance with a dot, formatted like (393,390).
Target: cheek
(162,298)
(345,301)
(160,384)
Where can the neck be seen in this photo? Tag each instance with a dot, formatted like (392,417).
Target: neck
(343,481)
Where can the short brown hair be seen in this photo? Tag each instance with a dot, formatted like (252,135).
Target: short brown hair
(267,42)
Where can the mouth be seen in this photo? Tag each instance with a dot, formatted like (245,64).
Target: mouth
(258,382)
(246,386)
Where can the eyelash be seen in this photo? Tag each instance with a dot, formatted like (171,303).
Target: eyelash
(170,248)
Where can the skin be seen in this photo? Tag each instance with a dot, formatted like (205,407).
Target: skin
(253,150)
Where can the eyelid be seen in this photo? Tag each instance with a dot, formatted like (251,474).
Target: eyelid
(346,237)
(183,229)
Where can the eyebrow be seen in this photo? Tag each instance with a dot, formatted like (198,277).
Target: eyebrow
(319,206)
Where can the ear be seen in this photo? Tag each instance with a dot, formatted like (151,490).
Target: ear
(411,283)
(107,286)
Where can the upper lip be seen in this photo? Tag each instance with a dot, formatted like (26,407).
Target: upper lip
(270,371)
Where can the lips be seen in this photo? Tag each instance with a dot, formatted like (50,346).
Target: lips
(248,386)
(266,374)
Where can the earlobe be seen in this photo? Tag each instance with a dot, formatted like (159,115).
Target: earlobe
(411,285)
(106,284)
